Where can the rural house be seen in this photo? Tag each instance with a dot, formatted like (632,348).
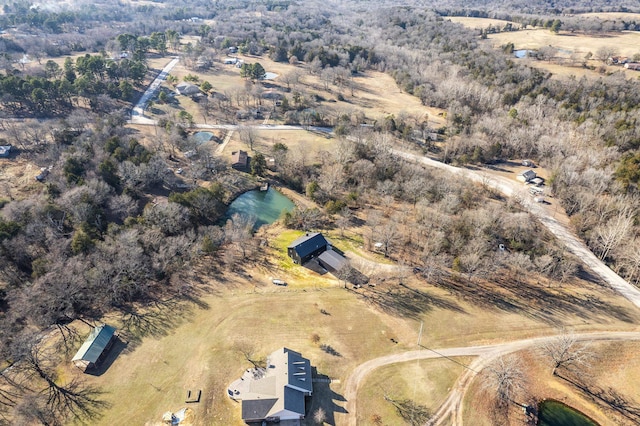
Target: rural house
(526,176)
(307,247)
(187,89)
(277,392)
(240,160)
(5,150)
(95,347)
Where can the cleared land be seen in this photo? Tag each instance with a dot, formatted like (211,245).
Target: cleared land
(627,43)
(480,23)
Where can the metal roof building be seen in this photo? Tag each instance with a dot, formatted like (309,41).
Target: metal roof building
(306,247)
(97,344)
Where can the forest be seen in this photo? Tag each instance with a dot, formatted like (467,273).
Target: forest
(94,241)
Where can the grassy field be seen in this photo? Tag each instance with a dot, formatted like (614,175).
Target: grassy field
(426,382)
(479,23)
(613,366)
(627,43)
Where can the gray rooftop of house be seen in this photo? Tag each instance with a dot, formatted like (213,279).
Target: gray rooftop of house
(284,385)
(95,344)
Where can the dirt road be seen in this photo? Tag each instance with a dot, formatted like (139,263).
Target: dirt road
(561,232)
(486,354)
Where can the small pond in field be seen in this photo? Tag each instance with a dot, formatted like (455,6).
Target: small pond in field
(554,413)
(264,206)
(202,137)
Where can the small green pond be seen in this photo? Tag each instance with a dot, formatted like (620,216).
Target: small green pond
(554,413)
(264,206)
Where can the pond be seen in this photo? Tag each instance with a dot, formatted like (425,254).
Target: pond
(270,76)
(202,137)
(554,413)
(264,206)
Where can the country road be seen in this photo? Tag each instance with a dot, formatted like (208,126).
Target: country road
(561,232)
(486,354)
(137,113)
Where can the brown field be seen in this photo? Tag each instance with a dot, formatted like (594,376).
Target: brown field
(479,23)
(614,366)
(627,43)
(425,381)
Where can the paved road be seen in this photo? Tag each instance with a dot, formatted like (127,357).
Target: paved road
(137,113)
(562,233)
(486,354)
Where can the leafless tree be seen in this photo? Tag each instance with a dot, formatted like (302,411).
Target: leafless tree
(319,416)
(248,135)
(411,412)
(566,353)
(506,379)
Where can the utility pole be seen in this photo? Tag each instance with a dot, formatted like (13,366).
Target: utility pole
(420,333)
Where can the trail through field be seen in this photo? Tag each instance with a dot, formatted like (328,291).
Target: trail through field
(486,355)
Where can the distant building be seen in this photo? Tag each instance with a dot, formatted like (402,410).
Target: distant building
(526,176)
(5,150)
(230,61)
(276,393)
(240,160)
(632,66)
(95,347)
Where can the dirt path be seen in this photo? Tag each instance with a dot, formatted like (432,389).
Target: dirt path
(557,228)
(486,354)
(137,113)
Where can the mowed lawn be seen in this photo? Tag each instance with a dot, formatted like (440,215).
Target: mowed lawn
(426,382)
(198,347)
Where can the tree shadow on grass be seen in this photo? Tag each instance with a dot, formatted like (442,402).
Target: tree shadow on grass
(406,301)
(548,304)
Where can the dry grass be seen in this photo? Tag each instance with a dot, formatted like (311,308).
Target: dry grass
(426,382)
(479,23)
(616,365)
(17,178)
(627,16)
(627,43)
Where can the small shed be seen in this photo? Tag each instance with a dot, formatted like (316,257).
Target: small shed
(526,176)
(239,160)
(5,150)
(332,261)
(95,347)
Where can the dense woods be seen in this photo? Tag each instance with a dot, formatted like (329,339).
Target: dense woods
(95,240)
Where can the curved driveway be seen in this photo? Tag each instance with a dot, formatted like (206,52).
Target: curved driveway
(486,354)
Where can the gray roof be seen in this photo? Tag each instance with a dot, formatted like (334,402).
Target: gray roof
(95,344)
(257,408)
(185,88)
(286,381)
(528,174)
(4,150)
(309,243)
(333,260)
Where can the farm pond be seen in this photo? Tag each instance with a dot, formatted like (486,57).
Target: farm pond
(554,413)
(264,206)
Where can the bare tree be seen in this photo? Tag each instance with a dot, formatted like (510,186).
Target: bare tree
(247,135)
(320,416)
(506,379)
(413,413)
(565,352)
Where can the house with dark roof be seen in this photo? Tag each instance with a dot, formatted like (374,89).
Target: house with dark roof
(310,245)
(526,176)
(95,347)
(240,160)
(277,392)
